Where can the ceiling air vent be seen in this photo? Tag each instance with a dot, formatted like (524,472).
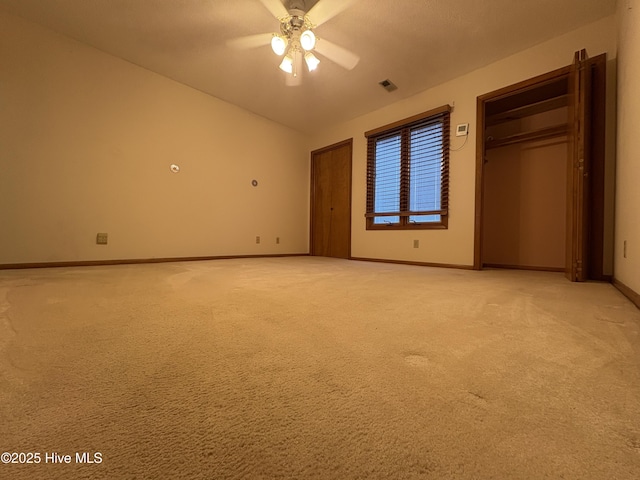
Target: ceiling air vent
(388,85)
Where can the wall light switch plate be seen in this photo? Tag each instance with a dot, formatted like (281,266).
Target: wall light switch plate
(462,130)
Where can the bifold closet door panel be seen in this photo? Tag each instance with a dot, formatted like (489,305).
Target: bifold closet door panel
(331,201)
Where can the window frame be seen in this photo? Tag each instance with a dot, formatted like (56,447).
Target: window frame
(403,128)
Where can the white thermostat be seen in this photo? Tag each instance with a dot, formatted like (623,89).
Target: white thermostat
(462,130)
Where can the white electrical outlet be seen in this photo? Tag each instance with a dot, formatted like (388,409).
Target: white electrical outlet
(102,238)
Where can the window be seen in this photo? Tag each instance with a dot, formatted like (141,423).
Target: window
(408,172)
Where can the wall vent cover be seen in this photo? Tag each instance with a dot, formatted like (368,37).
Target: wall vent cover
(388,85)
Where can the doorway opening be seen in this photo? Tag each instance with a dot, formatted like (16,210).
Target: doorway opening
(540,173)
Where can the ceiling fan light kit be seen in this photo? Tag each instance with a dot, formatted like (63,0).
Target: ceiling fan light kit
(296,40)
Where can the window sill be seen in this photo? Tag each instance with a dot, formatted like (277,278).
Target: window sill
(430,226)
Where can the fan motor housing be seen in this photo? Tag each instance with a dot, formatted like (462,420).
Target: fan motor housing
(296,21)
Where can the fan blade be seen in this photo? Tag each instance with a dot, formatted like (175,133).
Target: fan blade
(325,10)
(276,8)
(251,41)
(337,54)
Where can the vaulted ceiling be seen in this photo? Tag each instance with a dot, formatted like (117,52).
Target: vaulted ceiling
(416,44)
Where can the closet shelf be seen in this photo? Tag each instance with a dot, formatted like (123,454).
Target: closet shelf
(528,110)
(530,136)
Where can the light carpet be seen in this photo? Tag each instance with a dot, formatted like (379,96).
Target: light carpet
(316,368)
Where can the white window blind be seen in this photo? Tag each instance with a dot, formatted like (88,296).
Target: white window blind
(387,178)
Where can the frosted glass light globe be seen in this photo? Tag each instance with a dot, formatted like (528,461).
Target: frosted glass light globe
(287,64)
(278,45)
(312,61)
(308,40)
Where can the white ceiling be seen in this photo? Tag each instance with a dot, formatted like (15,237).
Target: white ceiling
(415,43)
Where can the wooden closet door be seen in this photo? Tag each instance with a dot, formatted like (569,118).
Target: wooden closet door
(578,166)
(331,201)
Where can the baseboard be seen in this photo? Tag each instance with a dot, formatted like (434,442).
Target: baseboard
(420,264)
(132,261)
(523,267)
(627,292)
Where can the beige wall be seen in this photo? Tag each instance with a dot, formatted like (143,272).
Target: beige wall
(86,141)
(455,245)
(627,270)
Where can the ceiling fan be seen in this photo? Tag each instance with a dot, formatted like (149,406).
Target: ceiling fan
(296,41)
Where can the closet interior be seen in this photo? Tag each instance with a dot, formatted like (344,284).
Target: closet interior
(525,177)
